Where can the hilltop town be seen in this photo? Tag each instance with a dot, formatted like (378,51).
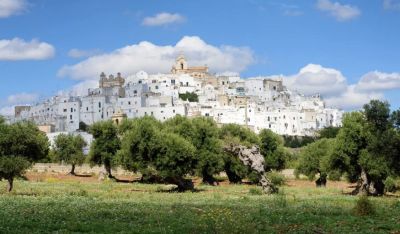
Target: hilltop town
(258,103)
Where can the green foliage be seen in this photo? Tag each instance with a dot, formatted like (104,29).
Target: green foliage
(21,144)
(231,135)
(105,144)
(272,149)
(328,132)
(391,185)
(297,141)
(334,175)
(191,97)
(364,207)
(69,149)
(255,191)
(148,148)
(276,178)
(83,126)
(368,143)
(313,158)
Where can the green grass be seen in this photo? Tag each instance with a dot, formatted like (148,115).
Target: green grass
(64,207)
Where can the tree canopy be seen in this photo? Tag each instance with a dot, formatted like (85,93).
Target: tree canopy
(21,144)
(105,145)
(69,149)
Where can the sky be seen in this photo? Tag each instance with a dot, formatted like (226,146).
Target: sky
(346,50)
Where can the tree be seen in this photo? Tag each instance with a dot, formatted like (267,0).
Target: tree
(83,126)
(368,148)
(313,159)
(208,149)
(191,97)
(234,135)
(147,147)
(328,132)
(69,149)
(105,145)
(21,144)
(271,147)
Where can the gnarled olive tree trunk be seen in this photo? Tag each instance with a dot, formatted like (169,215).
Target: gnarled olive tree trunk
(252,158)
(365,186)
(183,184)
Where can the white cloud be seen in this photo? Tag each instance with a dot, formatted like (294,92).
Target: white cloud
(77,53)
(18,49)
(154,58)
(314,79)
(334,88)
(80,89)
(7,111)
(22,98)
(340,11)
(379,81)
(163,18)
(391,4)
(7,106)
(12,7)
(352,99)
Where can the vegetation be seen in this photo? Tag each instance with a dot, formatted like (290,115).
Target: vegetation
(191,97)
(21,144)
(368,148)
(54,206)
(314,158)
(105,145)
(69,149)
(297,141)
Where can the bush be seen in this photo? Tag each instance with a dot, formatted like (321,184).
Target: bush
(334,175)
(276,178)
(364,207)
(255,191)
(390,185)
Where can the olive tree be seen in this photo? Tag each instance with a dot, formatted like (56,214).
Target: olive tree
(368,148)
(105,145)
(313,160)
(271,146)
(147,147)
(202,132)
(234,135)
(69,149)
(21,144)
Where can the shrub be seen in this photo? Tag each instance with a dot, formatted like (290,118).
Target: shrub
(276,178)
(255,191)
(334,175)
(364,207)
(390,185)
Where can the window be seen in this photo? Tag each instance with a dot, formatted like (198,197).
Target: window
(65,110)
(70,117)
(72,109)
(173,111)
(87,108)
(269,119)
(129,103)
(99,104)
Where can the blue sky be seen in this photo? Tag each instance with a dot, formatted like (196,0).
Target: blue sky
(348,51)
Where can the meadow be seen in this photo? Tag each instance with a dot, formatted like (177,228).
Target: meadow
(57,205)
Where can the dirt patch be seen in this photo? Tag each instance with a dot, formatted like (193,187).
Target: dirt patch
(85,178)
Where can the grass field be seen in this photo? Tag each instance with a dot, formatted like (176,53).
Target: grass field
(52,205)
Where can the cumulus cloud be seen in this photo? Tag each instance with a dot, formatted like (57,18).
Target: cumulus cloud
(7,111)
(352,98)
(7,106)
(340,11)
(153,58)
(22,98)
(12,7)
(163,18)
(379,81)
(391,4)
(314,79)
(77,53)
(18,49)
(334,88)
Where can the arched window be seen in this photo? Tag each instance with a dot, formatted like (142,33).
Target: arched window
(181,66)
